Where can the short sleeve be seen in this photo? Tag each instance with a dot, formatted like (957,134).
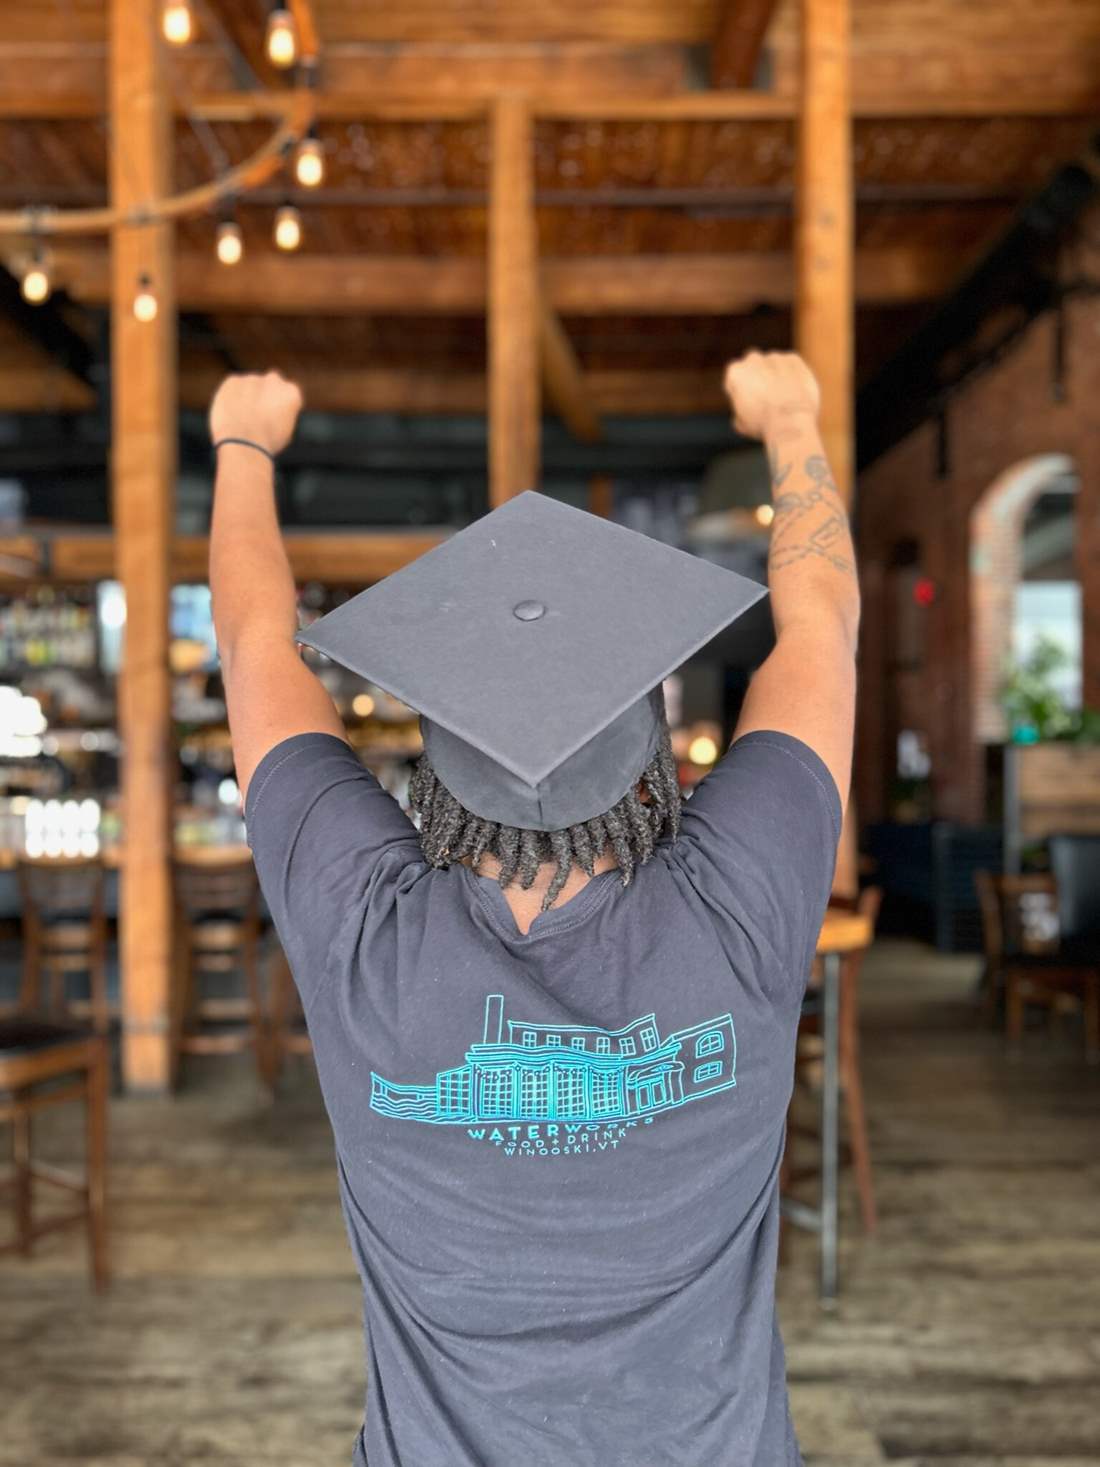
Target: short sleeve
(321,828)
(758,843)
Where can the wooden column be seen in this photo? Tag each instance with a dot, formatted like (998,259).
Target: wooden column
(143,470)
(824,303)
(514,401)
(824,319)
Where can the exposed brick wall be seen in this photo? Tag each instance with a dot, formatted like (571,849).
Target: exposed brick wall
(1001,419)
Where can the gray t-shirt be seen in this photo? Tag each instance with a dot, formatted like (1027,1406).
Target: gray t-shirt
(558,1153)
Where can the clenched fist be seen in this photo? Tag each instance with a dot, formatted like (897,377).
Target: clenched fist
(263,407)
(766,387)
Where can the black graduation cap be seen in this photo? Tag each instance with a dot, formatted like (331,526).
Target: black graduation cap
(534,644)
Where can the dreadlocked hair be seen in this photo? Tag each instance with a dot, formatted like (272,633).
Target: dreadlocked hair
(632,828)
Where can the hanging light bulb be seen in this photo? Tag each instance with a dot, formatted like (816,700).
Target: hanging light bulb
(145,302)
(288,227)
(230,242)
(177,22)
(36,284)
(309,164)
(282,38)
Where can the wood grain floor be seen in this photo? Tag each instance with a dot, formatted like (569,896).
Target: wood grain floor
(968,1332)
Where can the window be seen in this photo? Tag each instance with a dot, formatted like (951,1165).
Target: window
(570,1092)
(709,1071)
(606,1094)
(454,1092)
(535,1094)
(627,1046)
(577,1042)
(603,1044)
(709,1043)
(649,1038)
(529,1037)
(553,1039)
(496,1092)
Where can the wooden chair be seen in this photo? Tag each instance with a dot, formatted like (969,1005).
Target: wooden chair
(288,1032)
(851,1075)
(1027,956)
(44,1064)
(218,933)
(64,931)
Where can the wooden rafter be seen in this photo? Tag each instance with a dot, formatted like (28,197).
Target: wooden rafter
(739,41)
(564,381)
(635,285)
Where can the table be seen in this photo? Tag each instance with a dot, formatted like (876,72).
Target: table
(841,932)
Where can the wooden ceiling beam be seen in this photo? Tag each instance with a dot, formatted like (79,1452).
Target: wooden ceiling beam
(335,557)
(738,43)
(637,285)
(565,84)
(421,392)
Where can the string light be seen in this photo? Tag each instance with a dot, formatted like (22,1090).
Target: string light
(703,750)
(282,38)
(288,227)
(309,164)
(230,242)
(763,514)
(145,301)
(177,22)
(36,284)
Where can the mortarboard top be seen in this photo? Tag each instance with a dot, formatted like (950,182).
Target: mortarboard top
(534,644)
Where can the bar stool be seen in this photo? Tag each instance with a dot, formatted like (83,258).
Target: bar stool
(288,1032)
(218,933)
(44,1064)
(64,931)
(851,1074)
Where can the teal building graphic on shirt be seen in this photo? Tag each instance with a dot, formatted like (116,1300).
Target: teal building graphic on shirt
(568,1072)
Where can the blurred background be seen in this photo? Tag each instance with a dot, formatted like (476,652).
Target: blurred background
(505,245)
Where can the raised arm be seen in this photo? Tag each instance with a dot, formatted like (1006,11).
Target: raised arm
(807,685)
(270,693)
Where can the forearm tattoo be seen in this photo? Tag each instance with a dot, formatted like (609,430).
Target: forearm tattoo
(809,523)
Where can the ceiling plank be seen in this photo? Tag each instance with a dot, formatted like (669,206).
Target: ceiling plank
(608,285)
(739,41)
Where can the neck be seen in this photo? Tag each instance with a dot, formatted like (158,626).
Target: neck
(490,866)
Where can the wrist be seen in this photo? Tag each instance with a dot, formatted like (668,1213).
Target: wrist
(241,448)
(789,419)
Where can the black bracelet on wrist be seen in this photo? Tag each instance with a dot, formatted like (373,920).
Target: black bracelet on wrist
(245,443)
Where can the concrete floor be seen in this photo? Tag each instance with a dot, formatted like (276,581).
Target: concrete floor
(968,1331)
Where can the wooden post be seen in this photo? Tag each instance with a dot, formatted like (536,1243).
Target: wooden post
(601,495)
(823,231)
(514,401)
(143,468)
(824,305)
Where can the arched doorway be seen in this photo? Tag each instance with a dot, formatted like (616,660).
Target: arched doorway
(1023,584)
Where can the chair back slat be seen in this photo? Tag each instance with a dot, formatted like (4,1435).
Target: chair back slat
(1028,907)
(209,889)
(61,888)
